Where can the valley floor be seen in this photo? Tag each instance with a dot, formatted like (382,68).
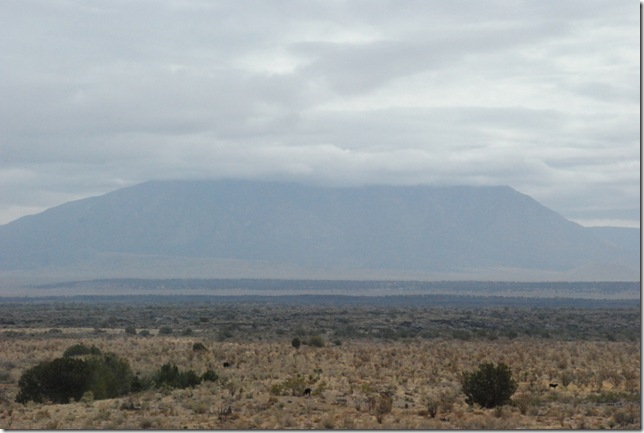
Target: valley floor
(390,378)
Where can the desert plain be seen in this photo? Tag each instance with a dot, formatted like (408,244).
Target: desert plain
(366,365)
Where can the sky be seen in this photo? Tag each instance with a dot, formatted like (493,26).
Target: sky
(542,96)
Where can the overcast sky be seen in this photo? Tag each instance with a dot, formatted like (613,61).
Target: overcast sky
(542,96)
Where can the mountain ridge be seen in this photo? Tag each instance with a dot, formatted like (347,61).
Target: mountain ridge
(418,230)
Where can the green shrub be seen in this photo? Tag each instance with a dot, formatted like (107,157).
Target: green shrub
(209,375)
(111,376)
(316,341)
(169,375)
(70,377)
(294,385)
(57,381)
(137,384)
(5,377)
(489,386)
(80,350)
(626,418)
(432,407)
(165,330)
(461,334)
(224,334)
(296,343)
(199,347)
(87,398)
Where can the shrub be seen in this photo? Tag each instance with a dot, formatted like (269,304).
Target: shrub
(137,384)
(294,385)
(209,375)
(224,334)
(165,330)
(199,347)
(624,418)
(381,405)
(57,381)
(316,341)
(169,375)
(461,334)
(432,408)
(511,334)
(527,403)
(489,386)
(5,377)
(111,376)
(87,398)
(70,377)
(80,350)
(130,330)
(296,343)
(567,377)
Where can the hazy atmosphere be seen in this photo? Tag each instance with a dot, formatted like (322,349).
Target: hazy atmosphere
(320,214)
(541,96)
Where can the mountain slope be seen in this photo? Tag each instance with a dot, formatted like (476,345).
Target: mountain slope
(402,229)
(625,238)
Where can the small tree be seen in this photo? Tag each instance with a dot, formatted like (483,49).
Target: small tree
(489,386)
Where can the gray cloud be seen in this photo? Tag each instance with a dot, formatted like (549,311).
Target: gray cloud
(542,96)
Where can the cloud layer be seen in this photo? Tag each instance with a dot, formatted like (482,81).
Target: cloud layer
(541,96)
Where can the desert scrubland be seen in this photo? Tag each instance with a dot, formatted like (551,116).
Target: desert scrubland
(367,366)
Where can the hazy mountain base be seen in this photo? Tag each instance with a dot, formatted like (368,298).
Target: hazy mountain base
(116,265)
(424,292)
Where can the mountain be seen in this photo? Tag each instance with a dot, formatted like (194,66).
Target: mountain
(268,229)
(625,238)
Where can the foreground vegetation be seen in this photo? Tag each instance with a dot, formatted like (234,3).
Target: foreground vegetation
(325,366)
